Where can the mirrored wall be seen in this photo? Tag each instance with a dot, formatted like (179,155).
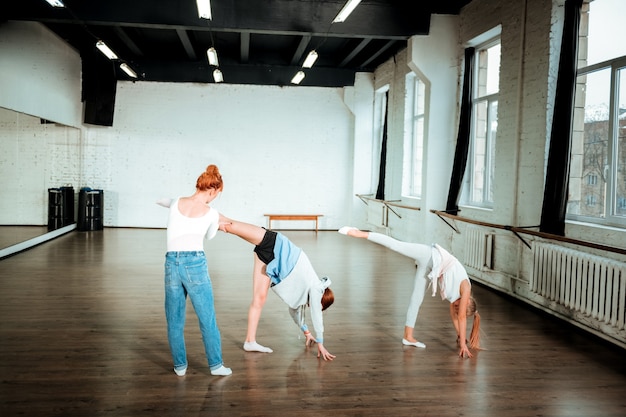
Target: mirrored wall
(36,155)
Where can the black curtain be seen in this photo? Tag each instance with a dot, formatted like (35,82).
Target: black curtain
(463,136)
(557,174)
(380,191)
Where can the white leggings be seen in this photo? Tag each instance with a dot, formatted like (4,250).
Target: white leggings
(422,255)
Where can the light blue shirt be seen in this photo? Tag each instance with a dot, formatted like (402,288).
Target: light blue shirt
(286,256)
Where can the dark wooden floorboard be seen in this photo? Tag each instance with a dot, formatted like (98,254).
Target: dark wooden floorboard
(82,333)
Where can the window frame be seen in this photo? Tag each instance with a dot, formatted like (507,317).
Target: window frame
(611,200)
(415,140)
(490,100)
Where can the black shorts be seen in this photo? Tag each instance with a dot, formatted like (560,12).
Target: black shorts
(265,249)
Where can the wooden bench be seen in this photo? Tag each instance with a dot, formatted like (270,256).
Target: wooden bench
(271,217)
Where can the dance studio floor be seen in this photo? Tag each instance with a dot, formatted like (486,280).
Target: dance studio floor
(82,333)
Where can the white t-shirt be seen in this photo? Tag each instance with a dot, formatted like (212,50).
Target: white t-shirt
(187,233)
(447,274)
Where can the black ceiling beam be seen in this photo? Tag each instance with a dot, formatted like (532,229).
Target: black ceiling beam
(184,39)
(244,47)
(383,20)
(201,72)
(260,42)
(354,52)
(380,51)
(302,45)
(130,44)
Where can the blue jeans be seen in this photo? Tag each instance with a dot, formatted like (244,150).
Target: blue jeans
(187,273)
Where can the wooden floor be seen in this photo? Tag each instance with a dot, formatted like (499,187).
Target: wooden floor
(82,333)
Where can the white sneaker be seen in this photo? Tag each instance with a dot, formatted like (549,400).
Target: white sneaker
(180,372)
(255,347)
(416,344)
(222,371)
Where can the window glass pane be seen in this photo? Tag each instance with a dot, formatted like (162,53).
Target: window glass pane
(606,31)
(483,151)
(414,137)
(418,152)
(493,132)
(480,152)
(590,145)
(493,69)
(420,102)
(620,176)
(488,71)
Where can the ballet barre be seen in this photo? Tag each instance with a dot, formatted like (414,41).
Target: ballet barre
(280,217)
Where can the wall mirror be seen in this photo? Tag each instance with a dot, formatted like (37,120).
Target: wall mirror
(35,155)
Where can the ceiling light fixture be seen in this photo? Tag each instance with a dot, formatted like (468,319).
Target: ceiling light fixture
(310,59)
(211,53)
(204,9)
(128,70)
(298,77)
(217,75)
(106,50)
(346,10)
(56,3)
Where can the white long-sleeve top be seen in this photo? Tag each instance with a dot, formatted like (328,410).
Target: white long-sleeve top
(447,274)
(301,287)
(185,234)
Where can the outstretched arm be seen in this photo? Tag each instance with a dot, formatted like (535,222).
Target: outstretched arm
(165,202)
(461,319)
(315,304)
(297,314)
(454,310)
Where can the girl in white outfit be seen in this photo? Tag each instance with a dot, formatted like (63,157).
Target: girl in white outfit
(444,273)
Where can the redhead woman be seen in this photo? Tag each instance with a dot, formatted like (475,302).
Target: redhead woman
(444,273)
(284,267)
(191,220)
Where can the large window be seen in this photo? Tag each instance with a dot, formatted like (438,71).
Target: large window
(414,135)
(597,183)
(479,177)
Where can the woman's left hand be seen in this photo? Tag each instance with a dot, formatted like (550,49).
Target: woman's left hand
(323,353)
(465,352)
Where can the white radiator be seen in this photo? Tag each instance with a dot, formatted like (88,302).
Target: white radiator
(478,249)
(592,285)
